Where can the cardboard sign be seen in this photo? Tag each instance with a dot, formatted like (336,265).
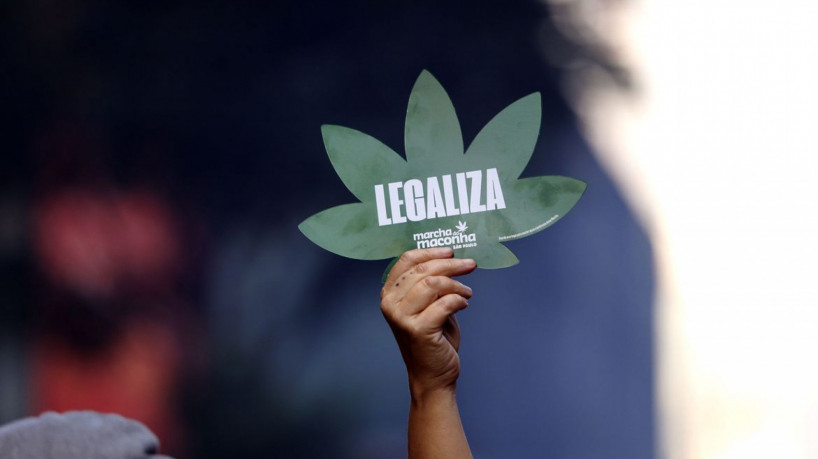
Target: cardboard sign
(440,196)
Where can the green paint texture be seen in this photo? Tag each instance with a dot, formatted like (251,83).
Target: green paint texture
(434,148)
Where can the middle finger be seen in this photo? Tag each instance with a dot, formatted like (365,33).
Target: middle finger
(429,289)
(438,267)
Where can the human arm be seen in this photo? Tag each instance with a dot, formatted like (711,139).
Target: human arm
(419,300)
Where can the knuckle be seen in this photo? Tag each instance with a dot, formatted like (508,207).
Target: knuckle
(431,282)
(386,307)
(407,258)
(453,301)
(422,268)
(448,301)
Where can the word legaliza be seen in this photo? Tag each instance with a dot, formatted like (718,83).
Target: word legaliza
(411,200)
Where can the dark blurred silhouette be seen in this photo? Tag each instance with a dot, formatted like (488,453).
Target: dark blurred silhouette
(139,133)
(114,322)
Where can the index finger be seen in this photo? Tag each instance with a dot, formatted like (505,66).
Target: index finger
(415,257)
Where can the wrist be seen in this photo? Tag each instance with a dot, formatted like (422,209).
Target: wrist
(425,394)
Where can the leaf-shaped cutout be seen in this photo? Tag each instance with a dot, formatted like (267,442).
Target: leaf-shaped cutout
(361,160)
(462,194)
(508,140)
(351,230)
(432,132)
(491,255)
(540,202)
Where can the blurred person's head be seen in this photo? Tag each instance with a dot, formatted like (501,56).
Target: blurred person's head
(103,255)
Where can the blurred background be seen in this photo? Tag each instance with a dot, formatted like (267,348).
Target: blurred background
(157,157)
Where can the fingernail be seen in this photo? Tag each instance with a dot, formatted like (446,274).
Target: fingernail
(468,262)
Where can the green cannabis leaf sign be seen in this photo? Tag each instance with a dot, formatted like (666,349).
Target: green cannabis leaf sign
(440,196)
